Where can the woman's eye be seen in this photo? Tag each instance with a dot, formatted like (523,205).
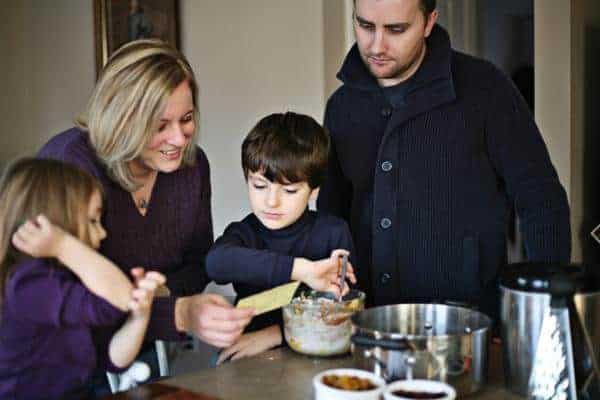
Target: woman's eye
(162,127)
(187,118)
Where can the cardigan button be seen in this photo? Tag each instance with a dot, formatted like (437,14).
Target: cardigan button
(385,223)
(385,278)
(386,166)
(386,112)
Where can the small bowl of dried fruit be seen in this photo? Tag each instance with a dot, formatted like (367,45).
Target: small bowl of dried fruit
(348,383)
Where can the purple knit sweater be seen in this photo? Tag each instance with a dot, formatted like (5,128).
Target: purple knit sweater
(174,235)
(48,347)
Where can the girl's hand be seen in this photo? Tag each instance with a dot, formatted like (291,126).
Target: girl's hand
(250,344)
(39,238)
(144,292)
(323,275)
(161,291)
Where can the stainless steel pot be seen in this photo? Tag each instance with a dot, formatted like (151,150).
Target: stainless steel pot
(430,341)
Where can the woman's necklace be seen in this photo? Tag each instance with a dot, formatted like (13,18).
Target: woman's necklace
(143,195)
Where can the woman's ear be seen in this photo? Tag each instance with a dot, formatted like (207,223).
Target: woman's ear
(314,194)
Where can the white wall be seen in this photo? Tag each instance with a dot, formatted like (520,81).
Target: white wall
(251,59)
(47,71)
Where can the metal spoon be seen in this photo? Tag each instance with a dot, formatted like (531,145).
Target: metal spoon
(343,274)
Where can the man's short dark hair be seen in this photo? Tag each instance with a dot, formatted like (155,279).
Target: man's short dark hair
(427,6)
(287,148)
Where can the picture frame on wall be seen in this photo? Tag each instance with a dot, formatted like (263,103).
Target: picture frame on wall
(117,22)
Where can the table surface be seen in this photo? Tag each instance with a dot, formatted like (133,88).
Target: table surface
(282,374)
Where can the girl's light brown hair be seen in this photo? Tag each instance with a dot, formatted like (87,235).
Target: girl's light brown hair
(128,101)
(30,187)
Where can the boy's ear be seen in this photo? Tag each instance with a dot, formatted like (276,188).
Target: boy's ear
(314,193)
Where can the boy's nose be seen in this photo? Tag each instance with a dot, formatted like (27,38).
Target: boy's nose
(273,198)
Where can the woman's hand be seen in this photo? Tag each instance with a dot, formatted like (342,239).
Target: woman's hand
(211,318)
(39,238)
(251,344)
(323,275)
(146,285)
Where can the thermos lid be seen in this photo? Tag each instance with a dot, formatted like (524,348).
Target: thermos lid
(551,278)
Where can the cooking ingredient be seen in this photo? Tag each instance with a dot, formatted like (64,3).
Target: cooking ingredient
(348,382)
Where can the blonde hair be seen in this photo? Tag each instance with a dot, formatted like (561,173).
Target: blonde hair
(30,187)
(127,102)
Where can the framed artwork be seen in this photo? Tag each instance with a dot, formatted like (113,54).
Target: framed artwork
(117,22)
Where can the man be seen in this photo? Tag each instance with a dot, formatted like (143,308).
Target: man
(430,150)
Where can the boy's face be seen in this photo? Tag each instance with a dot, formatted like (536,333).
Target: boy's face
(276,205)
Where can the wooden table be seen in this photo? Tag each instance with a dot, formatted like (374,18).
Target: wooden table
(283,374)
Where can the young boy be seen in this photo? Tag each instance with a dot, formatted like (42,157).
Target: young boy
(284,158)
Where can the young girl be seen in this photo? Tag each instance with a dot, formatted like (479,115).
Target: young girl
(56,291)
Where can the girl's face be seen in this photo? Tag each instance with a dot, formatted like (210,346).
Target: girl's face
(92,226)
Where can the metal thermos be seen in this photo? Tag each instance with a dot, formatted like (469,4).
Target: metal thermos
(550,327)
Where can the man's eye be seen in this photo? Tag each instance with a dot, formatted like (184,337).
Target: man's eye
(366,26)
(397,30)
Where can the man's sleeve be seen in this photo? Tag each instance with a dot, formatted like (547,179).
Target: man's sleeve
(335,195)
(519,156)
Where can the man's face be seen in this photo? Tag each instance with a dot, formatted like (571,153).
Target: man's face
(390,35)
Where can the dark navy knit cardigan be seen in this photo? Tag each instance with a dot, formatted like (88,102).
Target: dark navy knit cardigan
(426,180)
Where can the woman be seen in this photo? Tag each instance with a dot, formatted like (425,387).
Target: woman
(137,136)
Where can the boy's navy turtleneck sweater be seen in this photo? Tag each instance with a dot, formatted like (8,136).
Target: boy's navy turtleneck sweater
(255,258)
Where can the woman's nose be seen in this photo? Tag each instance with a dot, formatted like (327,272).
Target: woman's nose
(177,136)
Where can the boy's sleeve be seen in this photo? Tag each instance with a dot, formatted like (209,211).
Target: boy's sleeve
(236,257)
(42,296)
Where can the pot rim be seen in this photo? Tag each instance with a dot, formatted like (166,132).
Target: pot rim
(375,334)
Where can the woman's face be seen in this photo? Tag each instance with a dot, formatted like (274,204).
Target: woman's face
(164,153)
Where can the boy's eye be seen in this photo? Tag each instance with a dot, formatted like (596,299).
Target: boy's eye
(259,186)
(291,191)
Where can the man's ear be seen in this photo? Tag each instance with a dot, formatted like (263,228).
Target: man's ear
(431,20)
(314,193)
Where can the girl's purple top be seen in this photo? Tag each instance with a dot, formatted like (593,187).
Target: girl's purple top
(47,345)
(174,235)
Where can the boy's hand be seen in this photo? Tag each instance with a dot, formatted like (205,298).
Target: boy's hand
(144,292)
(39,238)
(323,275)
(250,344)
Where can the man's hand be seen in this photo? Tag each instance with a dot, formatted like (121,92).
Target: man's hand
(39,238)
(211,318)
(323,275)
(251,344)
